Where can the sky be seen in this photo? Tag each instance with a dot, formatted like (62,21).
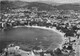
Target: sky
(57,1)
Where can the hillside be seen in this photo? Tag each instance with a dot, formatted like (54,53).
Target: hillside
(40,6)
(68,7)
(8,5)
(5,6)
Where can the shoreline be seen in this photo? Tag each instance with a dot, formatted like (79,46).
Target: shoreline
(52,29)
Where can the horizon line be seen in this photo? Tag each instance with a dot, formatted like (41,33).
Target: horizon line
(40,1)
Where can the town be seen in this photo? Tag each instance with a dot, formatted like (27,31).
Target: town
(65,21)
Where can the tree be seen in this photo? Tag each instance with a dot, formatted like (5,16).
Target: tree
(58,51)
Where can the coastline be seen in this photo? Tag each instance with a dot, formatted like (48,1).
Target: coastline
(52,29)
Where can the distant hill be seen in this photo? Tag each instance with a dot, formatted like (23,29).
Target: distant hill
(60,6)
(50,3)
(68,7)
(5,6)
(8,5)
(40,6)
